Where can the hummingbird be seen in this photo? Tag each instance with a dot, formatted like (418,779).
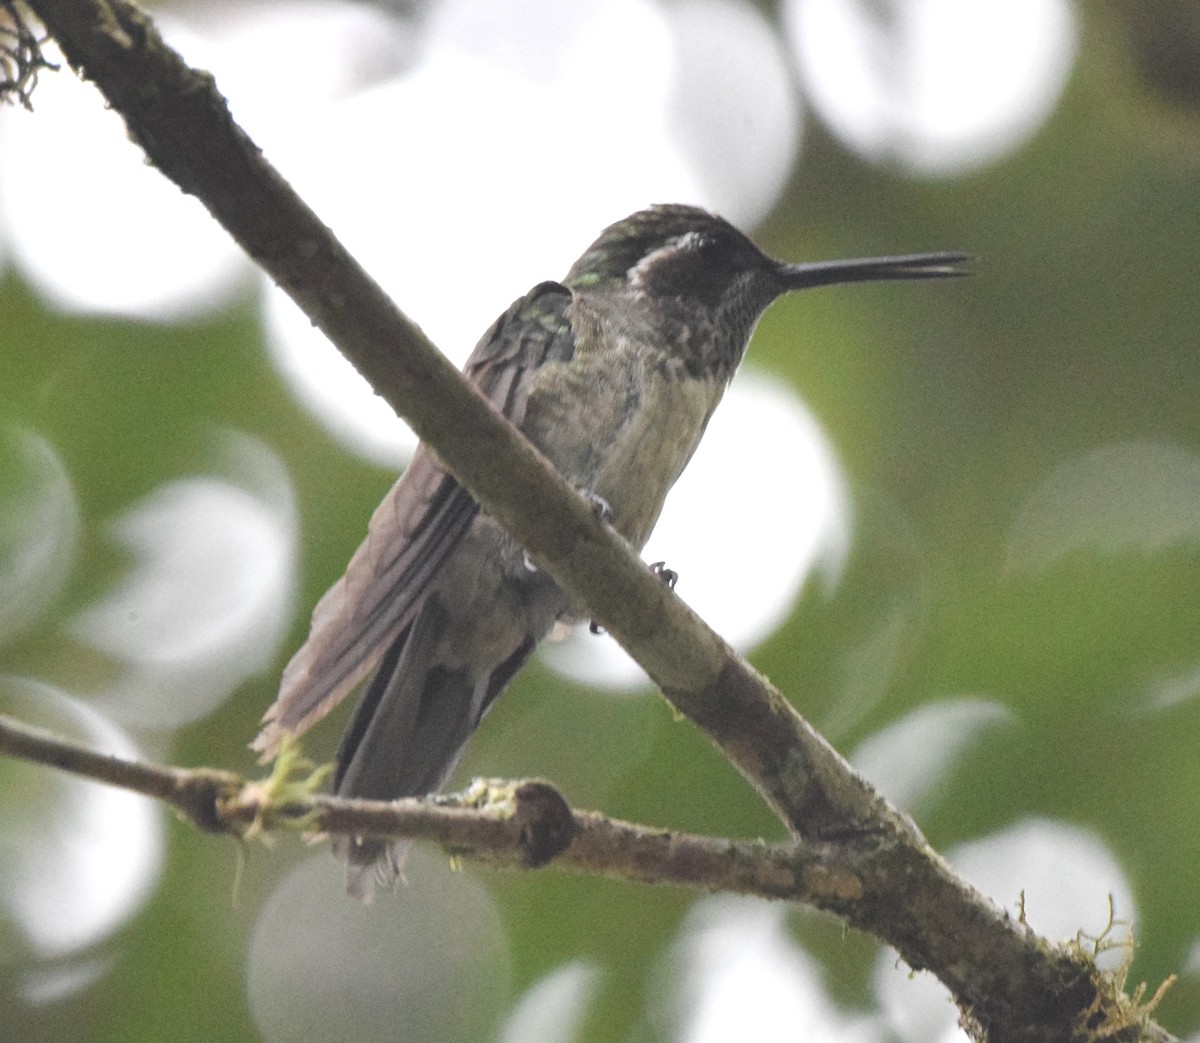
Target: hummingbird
(613,375)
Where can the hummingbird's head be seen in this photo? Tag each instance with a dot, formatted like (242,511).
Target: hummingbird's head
(693,273)
(688,277)
(670,251)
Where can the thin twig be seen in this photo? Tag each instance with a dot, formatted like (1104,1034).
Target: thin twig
(512,824)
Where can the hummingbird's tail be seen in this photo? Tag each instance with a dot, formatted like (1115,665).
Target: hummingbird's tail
(407,735)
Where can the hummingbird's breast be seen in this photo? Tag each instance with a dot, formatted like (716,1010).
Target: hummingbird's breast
(641,464)
(620,419)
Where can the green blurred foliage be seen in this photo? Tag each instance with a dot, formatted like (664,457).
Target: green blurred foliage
(948,406)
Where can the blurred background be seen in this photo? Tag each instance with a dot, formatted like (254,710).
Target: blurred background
(957,523)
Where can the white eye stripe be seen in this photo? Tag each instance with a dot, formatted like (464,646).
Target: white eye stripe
(696,240)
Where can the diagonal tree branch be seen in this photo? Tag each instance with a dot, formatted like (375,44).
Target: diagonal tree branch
(1009,983)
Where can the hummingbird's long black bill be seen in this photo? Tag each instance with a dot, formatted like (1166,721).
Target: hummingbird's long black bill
(873,269)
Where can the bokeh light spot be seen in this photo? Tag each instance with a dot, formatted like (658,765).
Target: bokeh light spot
(426,964)
(93,227)
(211,593)
(552,1011)
(936,86)
(39,529)
(739,975)
(943,732)
(78,858)
(1139,495)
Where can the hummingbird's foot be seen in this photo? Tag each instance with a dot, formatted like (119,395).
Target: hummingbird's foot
(668,576)
(527,561)
(599,504)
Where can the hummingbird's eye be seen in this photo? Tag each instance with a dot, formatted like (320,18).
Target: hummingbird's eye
(696,265)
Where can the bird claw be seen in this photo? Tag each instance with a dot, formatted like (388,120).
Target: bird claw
(669,577)
(527,561)
(600,505)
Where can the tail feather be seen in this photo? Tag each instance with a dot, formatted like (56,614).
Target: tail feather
(411,722)
(418,711)
(412,533)
(370,862)
(406,737)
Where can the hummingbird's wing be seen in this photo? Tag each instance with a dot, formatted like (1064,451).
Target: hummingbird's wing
(412,532)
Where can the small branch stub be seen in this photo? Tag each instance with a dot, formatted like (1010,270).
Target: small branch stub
(545,822)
